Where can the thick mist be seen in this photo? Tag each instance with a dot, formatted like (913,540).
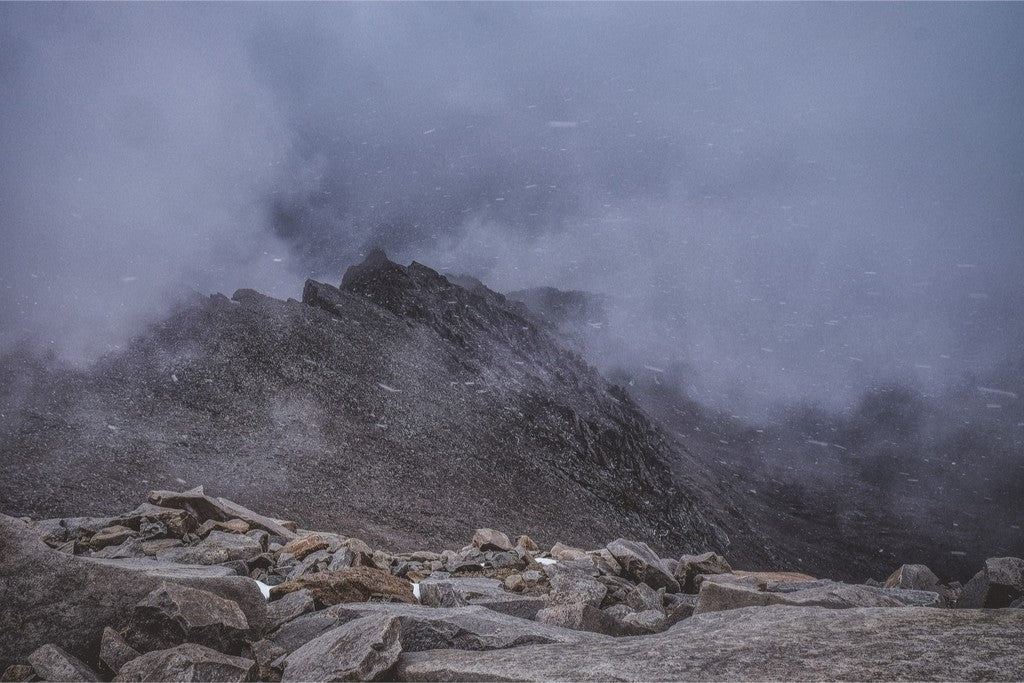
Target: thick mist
(789,202)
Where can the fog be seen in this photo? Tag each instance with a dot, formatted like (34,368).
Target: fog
(794,202)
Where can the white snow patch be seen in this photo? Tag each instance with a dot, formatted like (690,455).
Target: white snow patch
(416,590)
(817,443)
(546,560)
(264,588)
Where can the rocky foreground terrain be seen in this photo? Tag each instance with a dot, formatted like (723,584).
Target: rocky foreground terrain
(191,587)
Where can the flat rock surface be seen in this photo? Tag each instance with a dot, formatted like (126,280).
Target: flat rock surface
(766,643)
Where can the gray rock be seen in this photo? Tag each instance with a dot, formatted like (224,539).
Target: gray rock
(641,564)
(564,553)
(647,621)
(187,662)
(458,592)
(290,606)
(51,663)
(714,597)
(918,577)
(175,522)
(173,614)
(359,650)
(689,566)
(998,584)
(203,507)
(269,658)
(569,586)
(580,617)
(115,652)
(111,535)
(130,547)
(490,539)
(778,643)
(644,598)
(18,673)
(218,547)
(51,597)
(467,628)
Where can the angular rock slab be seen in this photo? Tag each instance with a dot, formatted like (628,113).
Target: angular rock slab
(769,643)
(174,614)
(51,597)
(642,564)
(188,662)
(51,663)
(716,597)
(999,584)
(360,650)
(354,584)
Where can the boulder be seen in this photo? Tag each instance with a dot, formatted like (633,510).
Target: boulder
(300,547)
(51,663)
(644,598)
(354,584)
(18,673)
(527,544)
(111,535)
(203,507)
(777,643)
(646,621)
(51,597)
(715,597)
(581,617)
(218,547)
(569,586)
(490,539)
(358,650)
(641,564)
(232,526)
(174,614)
(187,662)
(288,607)
(175,522)
(563,553)
(458,592)
(115,652)
(690,566)
(998,584)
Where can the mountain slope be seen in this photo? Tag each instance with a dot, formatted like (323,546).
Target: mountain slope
(400,407)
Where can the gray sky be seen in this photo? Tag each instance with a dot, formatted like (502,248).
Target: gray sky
(794,200)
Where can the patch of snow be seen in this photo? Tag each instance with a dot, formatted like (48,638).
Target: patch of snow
(817,443)
(546,560)
(416,590)
(264,588)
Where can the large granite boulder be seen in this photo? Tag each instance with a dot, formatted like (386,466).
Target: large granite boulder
(52,597)
(641,564)
(715,597)
(51,663)
(998,584)
(689,566)
(187,662)
(174,614)
(775,643)
(359,650)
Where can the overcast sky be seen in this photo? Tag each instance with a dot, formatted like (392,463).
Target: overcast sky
(793,200)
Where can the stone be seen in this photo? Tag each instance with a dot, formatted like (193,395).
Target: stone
(175,522)
(605,562)
(115,652)
(203,507)
(527,544)
(643,598)
(690,566)
(505,560)
(174,614)
(300,547)
(765,578)
(777,643)
(998,584)
(269,658)
(111,535)
(18,673)
(641,564)
(467,628)
(514,583)
(563,553)
(218,547)
(51,597)
(358,650)
(152,548)
(490,539)
(570,586)
(288,607)
(714,597)
(51,663)
(490,593)
(232,526)
(188,662)
(581,617)
(130,547)
(355,584)
(646,621)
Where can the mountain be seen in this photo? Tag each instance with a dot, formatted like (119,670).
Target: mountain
(400,407)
